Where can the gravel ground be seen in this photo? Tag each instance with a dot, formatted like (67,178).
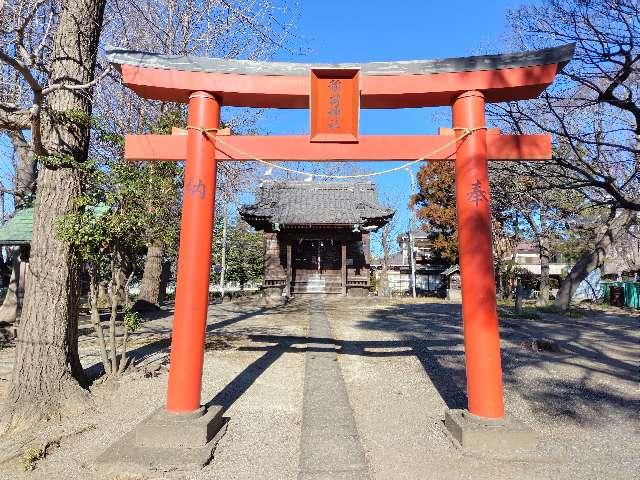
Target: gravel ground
(402,364)
(264,402)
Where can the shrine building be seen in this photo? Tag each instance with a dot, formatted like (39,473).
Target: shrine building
(316,235)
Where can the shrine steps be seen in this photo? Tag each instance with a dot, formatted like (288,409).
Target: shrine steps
(314,286)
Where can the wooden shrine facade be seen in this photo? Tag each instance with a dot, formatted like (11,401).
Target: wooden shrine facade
(316,235)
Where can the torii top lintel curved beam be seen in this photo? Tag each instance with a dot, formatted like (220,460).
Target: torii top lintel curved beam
(404,84)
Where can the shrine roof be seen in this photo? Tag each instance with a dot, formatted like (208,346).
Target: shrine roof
(294,203)
(17,230)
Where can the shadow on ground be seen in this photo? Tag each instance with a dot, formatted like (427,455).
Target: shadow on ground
(154,338)
(594,371)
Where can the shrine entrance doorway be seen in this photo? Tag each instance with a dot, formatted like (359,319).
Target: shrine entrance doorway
(316,266)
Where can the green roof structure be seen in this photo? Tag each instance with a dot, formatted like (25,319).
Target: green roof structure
(19,228)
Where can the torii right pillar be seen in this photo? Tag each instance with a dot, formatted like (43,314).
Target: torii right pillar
(480,319)
(483,426)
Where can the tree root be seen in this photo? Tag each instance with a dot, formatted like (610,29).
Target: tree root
(25,413)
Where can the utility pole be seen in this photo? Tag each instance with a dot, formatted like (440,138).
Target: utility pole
(412,246)
(223,260)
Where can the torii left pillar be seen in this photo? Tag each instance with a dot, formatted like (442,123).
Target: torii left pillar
(194,257)
(184,432)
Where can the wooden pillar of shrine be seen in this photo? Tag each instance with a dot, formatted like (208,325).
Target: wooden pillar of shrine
(289,269)
(343,249)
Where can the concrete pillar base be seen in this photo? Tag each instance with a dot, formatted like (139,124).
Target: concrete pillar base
(479,435)
(165,440)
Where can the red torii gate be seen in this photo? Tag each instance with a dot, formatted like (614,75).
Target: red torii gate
(334,93)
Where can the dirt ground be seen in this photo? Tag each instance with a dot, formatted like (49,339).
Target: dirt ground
(574,381)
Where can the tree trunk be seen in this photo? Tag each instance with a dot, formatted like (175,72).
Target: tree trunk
(47,376)
(518,295)
(25,184)
(543,244)
(47,367)
(113,291)
(103,293)
(610,231)
(95,320)
(151,294)
(9,308)
(123,271)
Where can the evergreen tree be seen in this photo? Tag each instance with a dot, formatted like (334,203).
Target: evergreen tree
(244,253)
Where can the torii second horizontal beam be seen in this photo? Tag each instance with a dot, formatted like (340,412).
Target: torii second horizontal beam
(377,148)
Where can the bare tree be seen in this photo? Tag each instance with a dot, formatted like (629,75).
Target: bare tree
(51,48)
(211,28)
(542,214)
(592,111)
(386,236)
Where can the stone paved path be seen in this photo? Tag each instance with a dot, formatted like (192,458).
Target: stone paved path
(329,446)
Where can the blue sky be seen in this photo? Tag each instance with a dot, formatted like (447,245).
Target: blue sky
(364,31)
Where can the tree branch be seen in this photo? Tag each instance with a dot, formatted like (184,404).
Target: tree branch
(22,69)
(64,86)
(14,118)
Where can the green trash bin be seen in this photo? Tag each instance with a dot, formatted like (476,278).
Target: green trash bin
(632,294)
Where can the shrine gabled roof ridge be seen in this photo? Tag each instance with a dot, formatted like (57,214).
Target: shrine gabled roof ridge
(555,55)
(316,203)
(322,185)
